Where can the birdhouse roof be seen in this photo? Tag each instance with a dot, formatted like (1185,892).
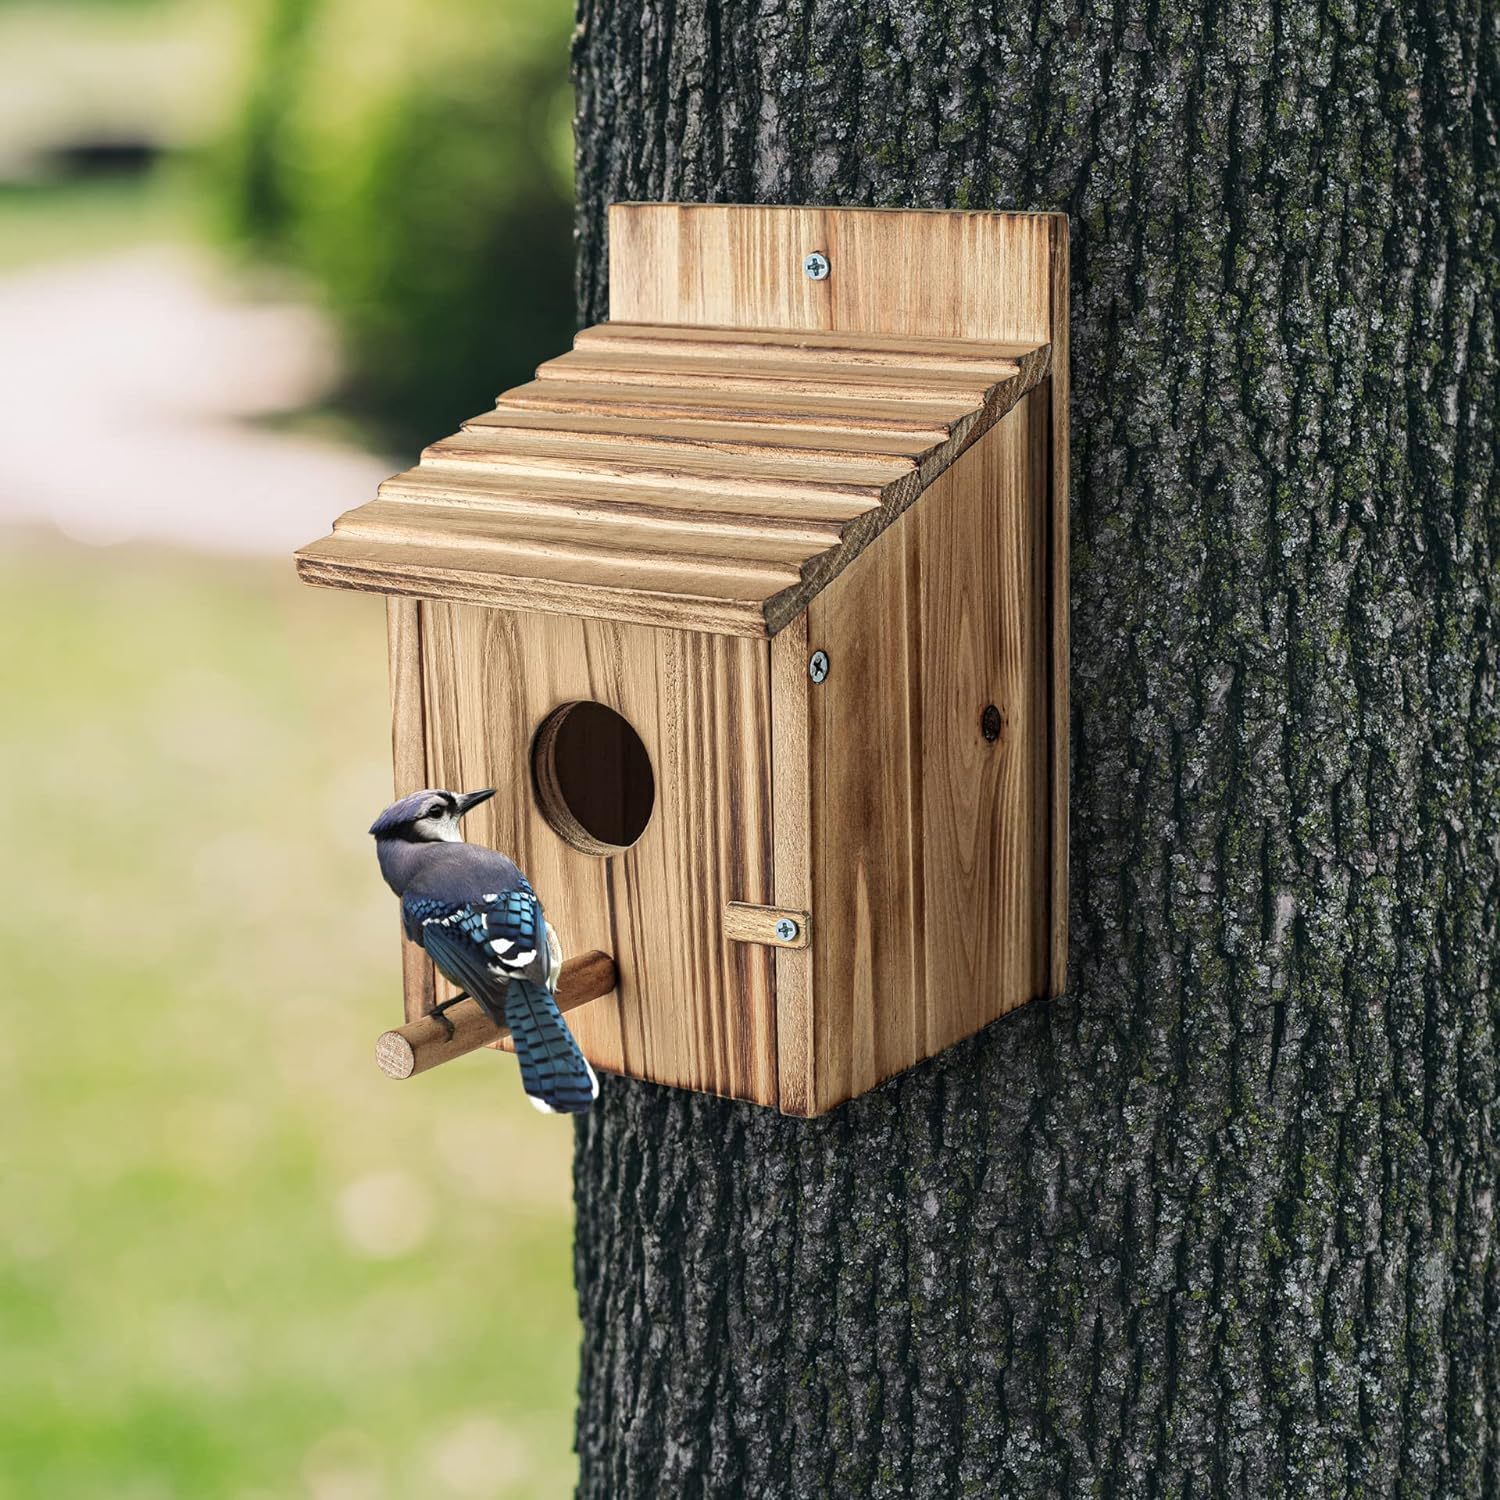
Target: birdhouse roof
(698,478)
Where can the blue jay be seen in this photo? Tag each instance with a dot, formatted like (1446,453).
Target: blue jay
(481,924)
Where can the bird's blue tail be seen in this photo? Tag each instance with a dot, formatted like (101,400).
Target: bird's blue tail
(554,1073)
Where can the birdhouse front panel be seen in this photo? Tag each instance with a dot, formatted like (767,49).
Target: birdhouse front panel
(634,788)
(753,607)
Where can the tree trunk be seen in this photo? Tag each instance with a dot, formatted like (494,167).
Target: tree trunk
(1220,1222)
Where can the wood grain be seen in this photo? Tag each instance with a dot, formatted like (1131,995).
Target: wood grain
(934,274)
(836,445)
(409,758)
(1059,562)
(769,379)
(425,1042)
(791,824)
(692,1008)
(916,418)
(930,845)
(747,923)
(911,352)
(676,503)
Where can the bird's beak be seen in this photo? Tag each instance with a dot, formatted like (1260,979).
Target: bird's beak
(468,801)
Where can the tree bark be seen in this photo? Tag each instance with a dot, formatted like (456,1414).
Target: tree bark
(1221,1221)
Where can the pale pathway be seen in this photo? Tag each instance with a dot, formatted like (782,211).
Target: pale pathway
(127,389)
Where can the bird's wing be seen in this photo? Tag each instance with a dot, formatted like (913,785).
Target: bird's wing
(498,948)
(456,936)
(505,928)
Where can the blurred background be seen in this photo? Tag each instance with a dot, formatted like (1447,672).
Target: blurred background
(251,255)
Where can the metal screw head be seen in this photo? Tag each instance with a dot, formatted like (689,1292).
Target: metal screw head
(815,266)
(989,723)
(786,929)
(817,666)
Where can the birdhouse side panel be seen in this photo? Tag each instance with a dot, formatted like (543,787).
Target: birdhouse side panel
(692,1009)
(791,687)
(930,746)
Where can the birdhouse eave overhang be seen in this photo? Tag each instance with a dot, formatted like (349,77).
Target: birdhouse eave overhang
(688,477)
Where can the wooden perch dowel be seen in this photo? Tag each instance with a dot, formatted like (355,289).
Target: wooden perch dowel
(424,1043)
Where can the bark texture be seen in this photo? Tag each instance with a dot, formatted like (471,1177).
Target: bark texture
(1222,1221)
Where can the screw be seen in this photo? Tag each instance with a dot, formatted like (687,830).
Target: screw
(786,929)
(817,666)
(989,723)
(815,266)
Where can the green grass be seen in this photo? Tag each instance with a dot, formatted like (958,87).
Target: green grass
(235,1260)
(69,220)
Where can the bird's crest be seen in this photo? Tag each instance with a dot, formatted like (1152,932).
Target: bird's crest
(408,810)
(431,814)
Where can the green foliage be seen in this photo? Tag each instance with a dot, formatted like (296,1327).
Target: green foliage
(51,222)
(414,158)
(259,206)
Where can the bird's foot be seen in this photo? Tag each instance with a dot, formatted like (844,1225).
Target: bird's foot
(438,1013)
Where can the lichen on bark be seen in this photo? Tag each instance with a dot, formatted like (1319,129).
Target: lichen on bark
(1221,1221)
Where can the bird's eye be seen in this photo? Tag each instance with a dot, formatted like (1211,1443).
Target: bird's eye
(439,810)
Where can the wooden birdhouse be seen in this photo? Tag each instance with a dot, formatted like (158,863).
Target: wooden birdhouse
(754,607)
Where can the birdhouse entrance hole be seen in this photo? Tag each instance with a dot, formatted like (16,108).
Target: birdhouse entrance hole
(593,777)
